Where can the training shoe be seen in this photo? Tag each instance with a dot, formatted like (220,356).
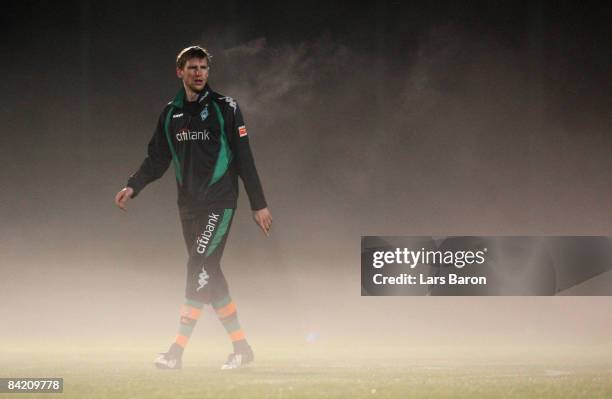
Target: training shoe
(239,359)
(171,360)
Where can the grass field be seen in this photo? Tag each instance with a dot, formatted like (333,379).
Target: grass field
(312,371)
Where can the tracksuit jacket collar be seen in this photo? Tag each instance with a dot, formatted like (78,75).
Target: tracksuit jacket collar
(204,96)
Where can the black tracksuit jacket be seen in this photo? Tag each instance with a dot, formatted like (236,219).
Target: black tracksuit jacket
(208,144)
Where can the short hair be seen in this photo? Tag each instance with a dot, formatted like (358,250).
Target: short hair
(191,52)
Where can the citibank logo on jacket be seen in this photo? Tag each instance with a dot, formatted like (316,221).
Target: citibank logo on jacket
(189,135)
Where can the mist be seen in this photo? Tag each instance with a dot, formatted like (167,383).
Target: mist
(453,132)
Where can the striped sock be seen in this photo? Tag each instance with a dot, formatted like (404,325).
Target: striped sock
(190,312)
(226,311)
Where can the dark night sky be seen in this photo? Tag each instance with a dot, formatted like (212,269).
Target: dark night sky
(565,43)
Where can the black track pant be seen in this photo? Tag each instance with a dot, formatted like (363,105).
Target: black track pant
(205,236)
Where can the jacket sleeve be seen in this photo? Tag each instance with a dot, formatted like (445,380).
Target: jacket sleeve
(245,163)
(157,160)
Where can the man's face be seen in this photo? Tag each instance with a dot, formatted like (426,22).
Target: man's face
(194,74)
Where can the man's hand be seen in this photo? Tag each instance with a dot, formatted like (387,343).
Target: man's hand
(123,197)
(263,218)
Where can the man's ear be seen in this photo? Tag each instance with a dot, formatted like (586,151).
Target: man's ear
(179,73)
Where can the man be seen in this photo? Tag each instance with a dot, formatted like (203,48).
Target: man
(203,134)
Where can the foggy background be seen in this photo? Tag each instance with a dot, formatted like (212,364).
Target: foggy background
(396,119)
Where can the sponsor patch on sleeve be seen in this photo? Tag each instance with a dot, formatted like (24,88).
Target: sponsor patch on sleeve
(242,131)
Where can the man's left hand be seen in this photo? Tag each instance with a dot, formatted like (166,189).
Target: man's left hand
(263,218)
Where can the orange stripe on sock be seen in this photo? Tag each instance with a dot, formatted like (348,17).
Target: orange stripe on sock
(227,310)
(182,340)
(237,335)
(190,312)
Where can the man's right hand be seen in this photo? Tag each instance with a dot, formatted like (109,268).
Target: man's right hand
(123,196)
